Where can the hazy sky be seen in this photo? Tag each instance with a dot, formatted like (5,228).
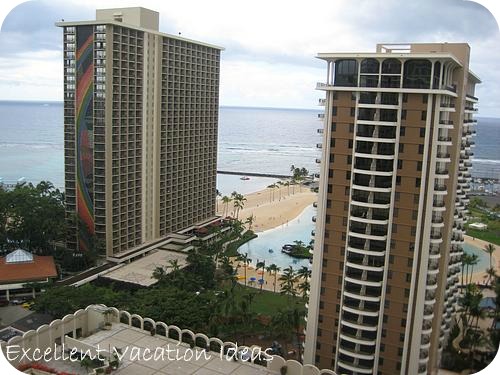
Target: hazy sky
(270,44)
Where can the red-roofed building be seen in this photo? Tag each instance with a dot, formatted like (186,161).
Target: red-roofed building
(20,267)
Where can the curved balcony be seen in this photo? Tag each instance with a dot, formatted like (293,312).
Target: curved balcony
(320,131)
(356,354)
(442,173)
(318,161)
(369,221)
(365,267)
(437,222)
(443,155)
(425,342)
(358,311)
(422,370)
(360,339)
(364,281)
(368,308)
(371,247)
(438,206)
(428,314)
(355,369)
(358,326)
(356,199)
(424,356)
(362,293)
(372,172)
(436,238)
(427,327)
(444,141)
(366,252)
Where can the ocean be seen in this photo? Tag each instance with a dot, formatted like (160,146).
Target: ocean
(265,140)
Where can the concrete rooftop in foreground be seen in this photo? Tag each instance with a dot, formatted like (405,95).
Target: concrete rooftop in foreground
(123,336)
(141,271)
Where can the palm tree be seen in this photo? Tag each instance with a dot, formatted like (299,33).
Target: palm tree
(271,191)
(239,202)
(474,260)
(287,184)
(217,195)
(491,274)
(304,273)
(237,207)
(158,273)
(288,279)
(226,200)
(250,220)
(274,268)
(174,266)
(258,266)
(246,261)
(297,322)
(490,249)
(280,185)
(465,266)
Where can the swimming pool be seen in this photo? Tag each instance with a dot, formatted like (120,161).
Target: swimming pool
(484,258)
(297,229)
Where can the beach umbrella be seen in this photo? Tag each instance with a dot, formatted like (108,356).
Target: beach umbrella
(253,279)
(261,281)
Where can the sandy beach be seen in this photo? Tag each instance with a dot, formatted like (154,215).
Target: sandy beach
(272,207)
(480,276)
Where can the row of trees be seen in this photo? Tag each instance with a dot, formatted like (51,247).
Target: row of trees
(238,203)
(32,217)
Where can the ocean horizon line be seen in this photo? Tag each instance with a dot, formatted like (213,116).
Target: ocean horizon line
(61,102)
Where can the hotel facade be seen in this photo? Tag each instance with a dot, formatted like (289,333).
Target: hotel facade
(395,172)
(140,130)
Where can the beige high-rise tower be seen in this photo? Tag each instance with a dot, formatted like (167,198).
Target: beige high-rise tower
(140,130)
(395,172)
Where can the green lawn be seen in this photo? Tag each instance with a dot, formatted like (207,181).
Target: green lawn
(492,234)
(268,303)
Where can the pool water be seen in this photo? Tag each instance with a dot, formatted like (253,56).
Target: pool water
(300,229)
(484,258)
(297,229)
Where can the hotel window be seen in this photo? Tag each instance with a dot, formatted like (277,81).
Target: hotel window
(425,98)
(419,165)
(417,74)
(417,182)
(353,111)
(405,98)
(351,126)
(400,164)
(346,73)
(403,114)
(422,132)
(401,147)
(391,66)
(423,116)
(334,126)
(334,111)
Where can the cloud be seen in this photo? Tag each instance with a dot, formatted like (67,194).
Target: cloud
(270,45)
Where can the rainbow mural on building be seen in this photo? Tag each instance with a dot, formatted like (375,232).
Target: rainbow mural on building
(85,135)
